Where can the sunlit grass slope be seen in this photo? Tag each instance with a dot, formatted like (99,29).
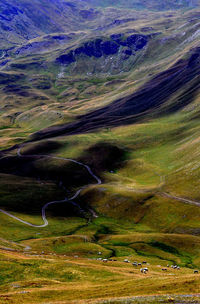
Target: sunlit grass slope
(147,207)
(69,280)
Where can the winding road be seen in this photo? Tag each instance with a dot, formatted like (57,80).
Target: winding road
(174,197)
(44,218)
(70,200)
(181,199)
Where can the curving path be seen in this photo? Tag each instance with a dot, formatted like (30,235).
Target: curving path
(174,197)
(44,218)
(181,199)
(99,182)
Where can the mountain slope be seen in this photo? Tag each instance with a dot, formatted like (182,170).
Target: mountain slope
(152,100)
(99,136)
(24,20)
(149,4)
(60,76)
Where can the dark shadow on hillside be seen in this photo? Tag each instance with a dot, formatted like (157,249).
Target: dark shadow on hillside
(45,147)
(67,176)
(152,100)
(103,157)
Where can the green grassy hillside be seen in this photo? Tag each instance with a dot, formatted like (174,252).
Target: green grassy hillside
(99,137)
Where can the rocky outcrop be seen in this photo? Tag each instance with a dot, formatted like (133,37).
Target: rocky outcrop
(105,47)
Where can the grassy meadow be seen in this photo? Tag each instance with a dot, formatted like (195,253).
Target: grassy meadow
(134,220)
(147,207)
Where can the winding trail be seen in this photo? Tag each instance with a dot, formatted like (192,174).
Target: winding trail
(174,197)
(181,199)
(44,218)
(70,200)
